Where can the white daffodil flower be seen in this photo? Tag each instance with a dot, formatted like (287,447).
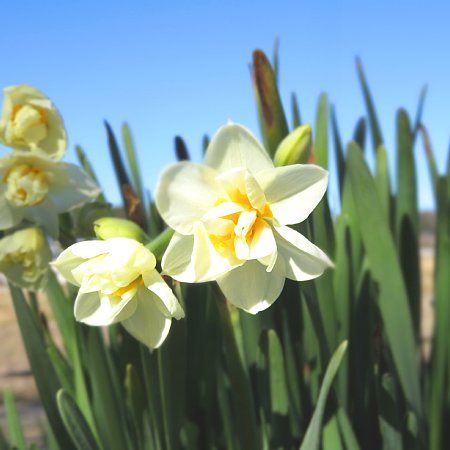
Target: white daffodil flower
(36,188)
(30,121)
(24,258)
(230,218)
(119,283)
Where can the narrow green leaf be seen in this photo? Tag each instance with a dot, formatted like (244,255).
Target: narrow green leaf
(272,120)
(311,440)
(276,60)
(432,165)
(382,180)
(296,119)
(294,372)
(172,377)
(377,137)
(133,207)
(406,174)
(359,134)
(205,143)
(119,166)
(278,392)
(385,269)
(181,150)
(240,386)
(133,163)
(418,121)
(343,291)
(340,159)
(390,427)
(440,360)
(150,374)
(331,439)
(226,411)
(347,433)
(61,366)
(407,215)
(75,423)
(84,162)
(16,436)
(62,309)
(44,375)
(106,399)
(321,137)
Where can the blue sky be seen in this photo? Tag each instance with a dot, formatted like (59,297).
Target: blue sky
(182,68)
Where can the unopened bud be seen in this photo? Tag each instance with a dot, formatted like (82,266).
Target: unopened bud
(295,148)
(109,227)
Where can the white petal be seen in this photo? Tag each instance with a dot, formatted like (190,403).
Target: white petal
(71,187)
(263,241)
(75,255)
(254,192)
(185,193)
(176,260)
(9,216)
(45,214)
(303,260)
(293,191)
(193,259)
(148,324)
(93,309)
(222,210)
(156,284)
(234,146)
(251,287)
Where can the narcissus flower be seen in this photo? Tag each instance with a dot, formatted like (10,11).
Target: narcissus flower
(230,218)
(30,121)
(119,283)
(24,258)
(36,188)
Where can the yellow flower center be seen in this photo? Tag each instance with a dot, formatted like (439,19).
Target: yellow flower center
(132,286)
(243,227)
(26,185)
(27,126)
(26,259)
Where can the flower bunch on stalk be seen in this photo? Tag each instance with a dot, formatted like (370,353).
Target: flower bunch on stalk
(35,185)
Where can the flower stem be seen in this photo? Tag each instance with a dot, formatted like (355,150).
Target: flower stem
(158,245)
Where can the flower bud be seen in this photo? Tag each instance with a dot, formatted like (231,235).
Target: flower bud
(294,148)
(24,258)
(109,227)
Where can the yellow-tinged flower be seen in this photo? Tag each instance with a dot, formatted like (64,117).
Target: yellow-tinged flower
(36,188)
(230,218)
(30,121)
(119,283)
(24,258)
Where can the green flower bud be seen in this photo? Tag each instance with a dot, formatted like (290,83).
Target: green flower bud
(295,148)
(109,227)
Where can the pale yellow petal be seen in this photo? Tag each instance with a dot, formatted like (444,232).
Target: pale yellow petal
(293,191)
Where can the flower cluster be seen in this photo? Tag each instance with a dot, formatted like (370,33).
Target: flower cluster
(35,185)
(231,218)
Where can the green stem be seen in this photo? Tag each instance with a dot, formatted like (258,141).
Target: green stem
(158,245)
(240,384)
